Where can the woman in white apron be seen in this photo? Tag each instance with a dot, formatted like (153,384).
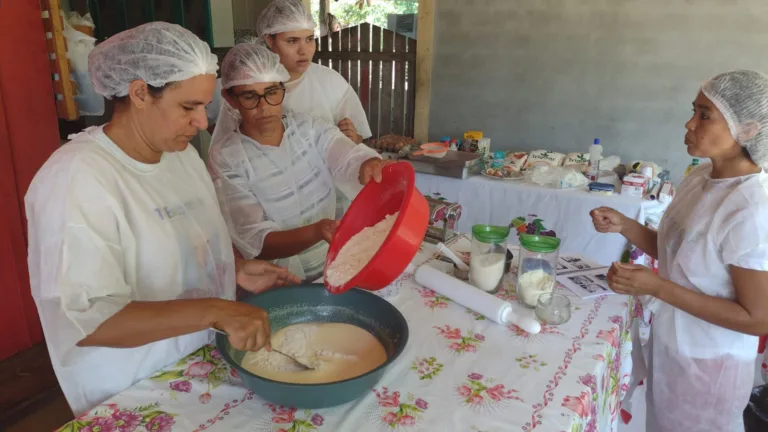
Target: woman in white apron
(709,302)
(275,172)
(130,261)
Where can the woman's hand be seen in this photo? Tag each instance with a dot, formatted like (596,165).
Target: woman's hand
(325,229)
(634,280)
(607,220)
(257,276)
(246,326)
(349,130)
(371,170)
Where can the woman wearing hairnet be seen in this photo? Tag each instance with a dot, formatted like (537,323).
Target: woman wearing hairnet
(710,299)
(289,30)
(275,171)
(130,260)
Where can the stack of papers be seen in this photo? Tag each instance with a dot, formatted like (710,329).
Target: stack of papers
(583,277)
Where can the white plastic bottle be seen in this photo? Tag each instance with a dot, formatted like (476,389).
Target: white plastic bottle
(595,154)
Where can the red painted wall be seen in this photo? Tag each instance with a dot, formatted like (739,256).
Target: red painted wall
(28,135)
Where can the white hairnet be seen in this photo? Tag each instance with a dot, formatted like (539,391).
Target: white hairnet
(245,63)
(249,63)
(284,16)
(742,98)
(156,53)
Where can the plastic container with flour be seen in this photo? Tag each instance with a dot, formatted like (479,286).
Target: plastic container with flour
(488,305)
(488,256)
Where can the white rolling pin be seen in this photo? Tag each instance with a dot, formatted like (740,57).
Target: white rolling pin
(481,302)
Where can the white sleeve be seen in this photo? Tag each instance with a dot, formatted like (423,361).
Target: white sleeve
(245,217)
(745,241)
(350,107)
(342,156)
(75,257)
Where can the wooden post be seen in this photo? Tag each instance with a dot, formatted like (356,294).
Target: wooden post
(63,85)
(424,58)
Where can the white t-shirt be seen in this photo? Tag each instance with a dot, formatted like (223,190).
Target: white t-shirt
(321,92)
(105,230)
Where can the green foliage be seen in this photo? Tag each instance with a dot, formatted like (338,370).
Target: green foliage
(350,14)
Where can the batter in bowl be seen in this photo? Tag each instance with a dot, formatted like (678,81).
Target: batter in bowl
(338,351)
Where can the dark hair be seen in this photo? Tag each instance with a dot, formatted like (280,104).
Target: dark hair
(155,92)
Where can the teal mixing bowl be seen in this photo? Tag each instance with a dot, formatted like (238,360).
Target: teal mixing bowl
(313,303)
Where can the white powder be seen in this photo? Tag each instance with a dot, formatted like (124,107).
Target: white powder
(341,350)
(486,270)
(534,283)
(358,251)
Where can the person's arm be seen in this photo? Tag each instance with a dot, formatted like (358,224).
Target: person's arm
(351,108)
(342,156)
(641,236)
(284,244)
(608,220)
(747,314)
(141,323)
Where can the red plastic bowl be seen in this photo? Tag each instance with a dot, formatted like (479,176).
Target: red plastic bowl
(396,192)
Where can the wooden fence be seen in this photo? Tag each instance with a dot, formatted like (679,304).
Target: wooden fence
(380,65)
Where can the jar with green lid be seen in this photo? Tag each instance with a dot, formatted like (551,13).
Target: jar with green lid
(537,267)
(488,256)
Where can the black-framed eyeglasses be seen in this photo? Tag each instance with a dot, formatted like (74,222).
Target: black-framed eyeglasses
(250,99)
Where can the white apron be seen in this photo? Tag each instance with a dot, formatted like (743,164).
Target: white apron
(700,374)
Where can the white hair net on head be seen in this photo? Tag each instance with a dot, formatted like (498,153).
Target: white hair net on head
(249,63)
(157,53)
(284,16)
(742,98)
(245,63)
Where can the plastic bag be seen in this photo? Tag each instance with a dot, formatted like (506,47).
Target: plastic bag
(76,20)
(756,413)
(556,177)
(79,45)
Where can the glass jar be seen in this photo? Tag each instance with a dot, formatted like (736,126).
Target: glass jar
(537,267)
(488,256)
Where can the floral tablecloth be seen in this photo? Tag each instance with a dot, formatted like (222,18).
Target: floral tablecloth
(459,372)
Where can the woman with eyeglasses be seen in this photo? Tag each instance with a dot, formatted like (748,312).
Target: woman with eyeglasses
(275,171)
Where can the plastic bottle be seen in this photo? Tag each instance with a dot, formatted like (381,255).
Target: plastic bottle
(595,154)
(693,165)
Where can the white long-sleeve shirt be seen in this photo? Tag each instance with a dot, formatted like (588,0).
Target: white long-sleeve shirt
(263,189)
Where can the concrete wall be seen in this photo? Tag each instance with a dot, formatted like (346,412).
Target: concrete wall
(222,19)
(555,74)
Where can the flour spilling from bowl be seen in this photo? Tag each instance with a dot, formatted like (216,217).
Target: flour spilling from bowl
(359,251)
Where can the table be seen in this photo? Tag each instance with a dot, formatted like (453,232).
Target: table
(459,372)
(497,202)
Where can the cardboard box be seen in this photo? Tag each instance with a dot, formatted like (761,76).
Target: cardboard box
(634,185)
